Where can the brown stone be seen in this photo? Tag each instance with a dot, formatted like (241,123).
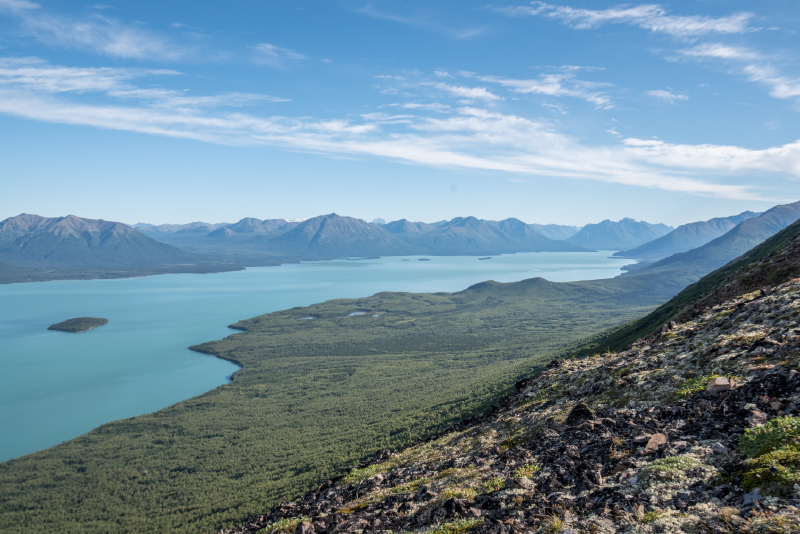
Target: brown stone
(656,441)
(757,417)
(718,385)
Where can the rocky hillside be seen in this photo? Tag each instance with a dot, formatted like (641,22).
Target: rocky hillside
(694,428)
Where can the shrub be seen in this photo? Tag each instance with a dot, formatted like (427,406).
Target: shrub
(493,484)
(667,470)
(527,470)
(775,434)
(696,385)
(554,524)
(284,525)
(457,527)
(775,472)
(458,493)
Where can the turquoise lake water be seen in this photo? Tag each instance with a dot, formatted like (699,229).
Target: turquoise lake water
(55,386)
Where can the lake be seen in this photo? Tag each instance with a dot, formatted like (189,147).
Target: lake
(55,386)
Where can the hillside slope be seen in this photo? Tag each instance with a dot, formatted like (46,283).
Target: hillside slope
(784,242)
(693,429)
(696,263)
(686,237)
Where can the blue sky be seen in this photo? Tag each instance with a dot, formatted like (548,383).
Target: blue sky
(570,113)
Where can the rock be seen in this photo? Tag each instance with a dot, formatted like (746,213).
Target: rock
(685,495)
(656,441)
(680,445)
(719,448)
(718,385)
(749,498)
(525,483)
(777,405)
(474,512)
(304,528)
(578,415)
(757,417)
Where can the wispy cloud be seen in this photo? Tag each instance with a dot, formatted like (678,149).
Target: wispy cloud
(557,85)
(97,33)
(32,75)
(423,20)
(720,51)
(275,56)
(471,93)
(756,67)
(780,86)
(785,158)
(469,137)
(667,96)
(650,17)
(17,6)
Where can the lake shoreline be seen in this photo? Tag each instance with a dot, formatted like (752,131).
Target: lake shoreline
(149,360)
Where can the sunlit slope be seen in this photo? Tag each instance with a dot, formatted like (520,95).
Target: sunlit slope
(313,397)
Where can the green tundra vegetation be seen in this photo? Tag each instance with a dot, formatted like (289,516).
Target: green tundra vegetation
(313,398)
(78,324)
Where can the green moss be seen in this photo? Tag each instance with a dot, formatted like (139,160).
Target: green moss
(357,475)
(493,484)
(410,487)
(778,433)
(284,525)
(458,493)
(667,470)
(775,472)
(696,385)
(527,470)
(456,527)
(650,517)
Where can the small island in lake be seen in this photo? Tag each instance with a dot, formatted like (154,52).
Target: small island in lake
(79,324)
(486,258)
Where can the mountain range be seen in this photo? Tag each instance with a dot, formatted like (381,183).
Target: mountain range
(253,241)
(38,248)
(75,242)
(697,262)
(619,235)
(686,237)
(35,248)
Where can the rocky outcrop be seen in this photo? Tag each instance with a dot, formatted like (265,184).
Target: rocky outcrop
(692,429)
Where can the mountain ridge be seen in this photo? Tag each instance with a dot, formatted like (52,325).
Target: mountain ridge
(686,237)
(624,234)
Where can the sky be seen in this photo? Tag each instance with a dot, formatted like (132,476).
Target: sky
(570,113)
